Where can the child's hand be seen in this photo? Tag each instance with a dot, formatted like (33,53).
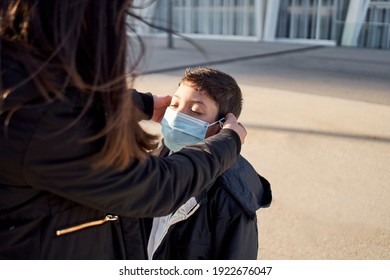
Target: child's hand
(232,123)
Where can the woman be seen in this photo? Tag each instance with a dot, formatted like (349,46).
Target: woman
(75,176)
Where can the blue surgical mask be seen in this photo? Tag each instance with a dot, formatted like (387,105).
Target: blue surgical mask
(180,130)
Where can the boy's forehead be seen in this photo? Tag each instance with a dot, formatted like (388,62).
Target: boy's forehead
(189,92)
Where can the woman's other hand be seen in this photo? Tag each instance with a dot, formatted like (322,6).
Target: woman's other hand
(231,122)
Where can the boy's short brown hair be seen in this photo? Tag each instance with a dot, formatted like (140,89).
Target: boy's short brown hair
(219,86)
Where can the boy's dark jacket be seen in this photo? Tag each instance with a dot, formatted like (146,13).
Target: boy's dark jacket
(225,224)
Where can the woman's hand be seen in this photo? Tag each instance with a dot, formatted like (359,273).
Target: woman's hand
(160,105)
(232,123)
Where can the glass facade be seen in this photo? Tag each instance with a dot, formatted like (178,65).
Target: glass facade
(312,19)
(361,23)
(375,32)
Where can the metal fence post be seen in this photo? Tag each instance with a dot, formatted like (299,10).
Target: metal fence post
(169,23)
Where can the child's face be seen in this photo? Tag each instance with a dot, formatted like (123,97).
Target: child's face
(189,101)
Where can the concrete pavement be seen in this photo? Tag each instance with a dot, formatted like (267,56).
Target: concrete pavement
(318,129)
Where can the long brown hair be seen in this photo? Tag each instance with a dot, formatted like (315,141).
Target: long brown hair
(83,44)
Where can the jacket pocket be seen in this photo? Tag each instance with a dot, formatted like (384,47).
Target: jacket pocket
(107,218)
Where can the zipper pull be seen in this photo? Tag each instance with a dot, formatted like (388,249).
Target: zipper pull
(110,218)
(107,218)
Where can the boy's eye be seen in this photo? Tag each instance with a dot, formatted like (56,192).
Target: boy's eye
(196,112)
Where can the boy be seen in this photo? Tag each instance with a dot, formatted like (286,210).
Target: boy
(221,222)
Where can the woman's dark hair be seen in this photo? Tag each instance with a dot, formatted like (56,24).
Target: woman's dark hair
(219,86)
(83,44)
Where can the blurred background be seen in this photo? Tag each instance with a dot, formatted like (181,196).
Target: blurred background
(361,23)
(315,77)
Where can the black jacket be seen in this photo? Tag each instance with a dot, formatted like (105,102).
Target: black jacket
(47,186)
(220,223)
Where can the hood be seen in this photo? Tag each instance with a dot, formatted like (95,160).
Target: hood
(250,190)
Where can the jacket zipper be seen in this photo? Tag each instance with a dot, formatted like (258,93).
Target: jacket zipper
(107,218)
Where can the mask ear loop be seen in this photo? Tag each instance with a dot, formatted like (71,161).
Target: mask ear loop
(221,122)
(218,121)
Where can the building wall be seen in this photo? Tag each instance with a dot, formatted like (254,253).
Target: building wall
(361,23)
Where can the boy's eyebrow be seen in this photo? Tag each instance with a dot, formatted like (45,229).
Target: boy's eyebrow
(192,99)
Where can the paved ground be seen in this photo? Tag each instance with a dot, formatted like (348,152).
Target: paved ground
(318,121)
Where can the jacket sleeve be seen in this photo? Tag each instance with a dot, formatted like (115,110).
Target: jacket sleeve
(236,238)
(234,232)
(144,102)
(59,163)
